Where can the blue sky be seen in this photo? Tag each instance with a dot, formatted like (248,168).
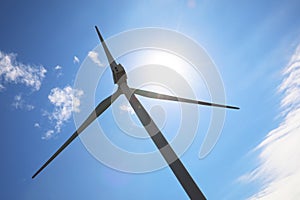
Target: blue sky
(255,46)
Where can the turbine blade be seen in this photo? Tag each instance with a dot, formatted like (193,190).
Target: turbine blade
(155,95)
(164,147)
(98,111)
(117,70)
(110,58)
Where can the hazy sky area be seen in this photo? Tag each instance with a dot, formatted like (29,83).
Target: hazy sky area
(255,46)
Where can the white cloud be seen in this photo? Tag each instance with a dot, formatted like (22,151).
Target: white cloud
(127,108)
(29,107)
(58,70)
(1,87)
(94,57)
(65,101)
(57,67)
(19,103)
(76,60)
(36,125)
(279,159)
(49,134)
(12,71)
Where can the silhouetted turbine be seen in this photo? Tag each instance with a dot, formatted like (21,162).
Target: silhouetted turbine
(120,78)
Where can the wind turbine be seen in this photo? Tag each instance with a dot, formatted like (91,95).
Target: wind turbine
(120,78)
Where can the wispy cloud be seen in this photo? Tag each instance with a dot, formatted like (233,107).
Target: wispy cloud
(49,134)
(279,163)
(76,60)
(94,57)
(127,108)
(12,71)
(58,70)
(19,103)
(65,101)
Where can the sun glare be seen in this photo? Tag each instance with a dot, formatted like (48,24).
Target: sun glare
(165,72)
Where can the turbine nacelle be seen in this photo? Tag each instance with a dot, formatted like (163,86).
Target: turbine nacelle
(119,74)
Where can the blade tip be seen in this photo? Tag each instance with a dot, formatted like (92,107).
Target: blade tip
(99,34)
(233,107)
